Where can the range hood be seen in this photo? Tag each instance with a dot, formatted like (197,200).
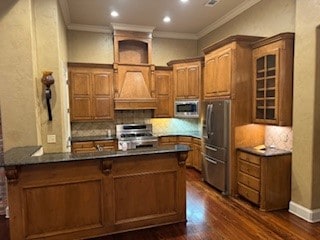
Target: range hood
(134,87)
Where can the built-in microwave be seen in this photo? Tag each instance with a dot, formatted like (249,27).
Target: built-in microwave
(186,108)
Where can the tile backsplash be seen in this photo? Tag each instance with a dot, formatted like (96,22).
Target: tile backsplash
(160,125)
(279,137)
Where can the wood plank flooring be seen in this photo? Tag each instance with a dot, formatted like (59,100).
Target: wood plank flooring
(213,216)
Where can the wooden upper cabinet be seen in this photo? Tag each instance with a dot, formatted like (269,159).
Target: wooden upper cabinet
(217,80)
(187,78)
(91,92)
(227,68)
(272,80)
(164,86)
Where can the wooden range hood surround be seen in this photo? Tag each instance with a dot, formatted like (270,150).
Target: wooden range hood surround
(134,87)
(134,81)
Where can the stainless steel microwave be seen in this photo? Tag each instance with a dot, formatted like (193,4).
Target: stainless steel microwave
(186,109)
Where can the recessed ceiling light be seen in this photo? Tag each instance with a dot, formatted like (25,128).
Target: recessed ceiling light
(167,19)
(184,1)
(114,14)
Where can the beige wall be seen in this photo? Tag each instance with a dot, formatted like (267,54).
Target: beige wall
(90,47)
(32,41)
(18,95)
(306,124)
(266,18)
(165,50)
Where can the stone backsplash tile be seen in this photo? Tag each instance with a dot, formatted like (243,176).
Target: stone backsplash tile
(160,125)
(279,137)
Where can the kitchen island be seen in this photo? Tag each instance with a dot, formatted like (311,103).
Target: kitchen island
(78,196)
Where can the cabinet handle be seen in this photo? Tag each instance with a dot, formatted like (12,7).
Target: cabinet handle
(106,167)
(212,148)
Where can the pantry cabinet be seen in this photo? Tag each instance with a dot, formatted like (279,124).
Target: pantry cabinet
(164,90)
(91,92)
(272,80)
(187,78)
(227,68)
(265,179)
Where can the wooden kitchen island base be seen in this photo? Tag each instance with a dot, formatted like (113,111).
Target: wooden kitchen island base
(88,198)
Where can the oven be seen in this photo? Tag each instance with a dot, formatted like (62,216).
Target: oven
(132,136)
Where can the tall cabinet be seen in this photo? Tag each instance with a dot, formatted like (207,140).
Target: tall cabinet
(227,75)
(272,80)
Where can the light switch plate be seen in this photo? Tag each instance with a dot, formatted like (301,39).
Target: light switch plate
(51,138)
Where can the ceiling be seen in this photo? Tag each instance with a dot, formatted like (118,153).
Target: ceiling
(190,20)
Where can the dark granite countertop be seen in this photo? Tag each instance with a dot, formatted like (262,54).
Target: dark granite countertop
(269,152)
(23,155)
(195,134)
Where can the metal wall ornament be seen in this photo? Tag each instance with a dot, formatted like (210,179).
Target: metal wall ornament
(47,79)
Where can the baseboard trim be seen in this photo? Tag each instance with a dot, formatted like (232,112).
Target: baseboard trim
(311,216)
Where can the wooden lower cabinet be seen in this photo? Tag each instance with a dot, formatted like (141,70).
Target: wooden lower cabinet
(93,146)
(197,154)
(194,157)
(90,198)
(265,180)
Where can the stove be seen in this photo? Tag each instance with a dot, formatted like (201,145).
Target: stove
(132,136)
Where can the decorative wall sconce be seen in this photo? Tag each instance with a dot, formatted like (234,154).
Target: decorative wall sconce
(48,80)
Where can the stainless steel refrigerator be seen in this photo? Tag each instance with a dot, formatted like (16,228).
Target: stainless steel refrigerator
(216,126)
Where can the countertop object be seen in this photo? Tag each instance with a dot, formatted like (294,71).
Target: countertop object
(268,152)
(23,155)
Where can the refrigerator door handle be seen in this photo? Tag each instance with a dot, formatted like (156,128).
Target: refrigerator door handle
(210,160)
(212,148)
(208,119)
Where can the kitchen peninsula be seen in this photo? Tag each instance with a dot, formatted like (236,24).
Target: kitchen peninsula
(77,196)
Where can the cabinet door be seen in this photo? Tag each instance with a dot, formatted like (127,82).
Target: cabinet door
(163,81)
(265,94)
(102,95)
(218,74)
(181,84)
(210,86)
(197,156)
(187,141)
(193,81)
(223,76)
(80,95)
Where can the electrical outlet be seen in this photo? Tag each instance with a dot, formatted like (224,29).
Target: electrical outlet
(51,138)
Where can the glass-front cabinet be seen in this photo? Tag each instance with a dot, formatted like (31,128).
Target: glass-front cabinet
(272,80)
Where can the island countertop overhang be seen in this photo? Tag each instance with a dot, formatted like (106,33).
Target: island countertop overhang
(22,156)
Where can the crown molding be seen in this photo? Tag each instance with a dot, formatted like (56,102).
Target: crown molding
(226,18)
(134,28)
(159,34)
(89,28)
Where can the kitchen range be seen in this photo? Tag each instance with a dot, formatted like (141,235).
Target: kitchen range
(132,136)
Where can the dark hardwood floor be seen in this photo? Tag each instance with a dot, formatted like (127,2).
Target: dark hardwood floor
(213,216)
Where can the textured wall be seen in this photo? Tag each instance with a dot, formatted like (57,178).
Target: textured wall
(267,18)
(51,56)
(89,47)
(306,120)
(165,50)
(17,78)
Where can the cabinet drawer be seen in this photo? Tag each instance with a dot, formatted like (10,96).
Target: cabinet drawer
(168,140)
(196,141)
(249,168)
(249,158)
(109,143)
(249,193)
(249,181)
(184,139)
(83,144)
